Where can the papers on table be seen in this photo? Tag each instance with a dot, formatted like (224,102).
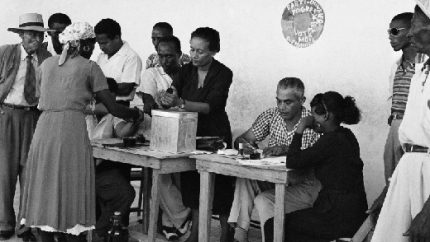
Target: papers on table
(267,161)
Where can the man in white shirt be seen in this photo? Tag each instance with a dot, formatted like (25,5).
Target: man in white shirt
(118,60)
(57,22)
(154,82)
(405,215)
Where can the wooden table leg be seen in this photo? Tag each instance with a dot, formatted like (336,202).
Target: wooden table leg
(205,209)
(278,226)
(146,186)
(155,204)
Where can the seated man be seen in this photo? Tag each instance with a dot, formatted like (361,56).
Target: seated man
(279,125)
(113,189)
(154,81)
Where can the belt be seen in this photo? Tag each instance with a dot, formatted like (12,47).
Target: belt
(415,148)
(25,108)
(20,107)
(397,115)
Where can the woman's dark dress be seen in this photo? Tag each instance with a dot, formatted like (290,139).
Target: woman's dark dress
(341,204)
(216,123)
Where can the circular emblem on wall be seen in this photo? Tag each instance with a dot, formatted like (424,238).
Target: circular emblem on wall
(302,22)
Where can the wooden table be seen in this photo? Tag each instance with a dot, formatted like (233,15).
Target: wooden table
(159,162)
(209,165)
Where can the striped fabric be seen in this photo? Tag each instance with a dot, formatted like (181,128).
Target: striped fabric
(401,83)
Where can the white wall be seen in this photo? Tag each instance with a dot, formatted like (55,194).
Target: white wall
(352,56)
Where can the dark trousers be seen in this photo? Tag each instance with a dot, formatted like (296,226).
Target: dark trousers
(17,127)
(113,193)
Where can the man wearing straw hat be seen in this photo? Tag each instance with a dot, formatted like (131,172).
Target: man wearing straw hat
(18,114)
(405,215)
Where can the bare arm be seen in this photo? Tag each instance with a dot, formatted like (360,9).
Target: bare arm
(125,89)
(125,129)
(115,109)
(247,137)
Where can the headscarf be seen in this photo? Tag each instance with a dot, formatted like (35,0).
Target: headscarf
(71,37)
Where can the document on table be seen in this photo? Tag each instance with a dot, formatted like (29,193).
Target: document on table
(267,161)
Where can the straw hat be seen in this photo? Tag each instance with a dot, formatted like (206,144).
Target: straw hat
(30,21)
(425,6)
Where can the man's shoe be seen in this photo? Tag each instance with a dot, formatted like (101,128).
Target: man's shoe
(6,234)
(27,236)
(170,233)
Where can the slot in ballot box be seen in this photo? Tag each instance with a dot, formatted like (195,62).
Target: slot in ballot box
(173,131)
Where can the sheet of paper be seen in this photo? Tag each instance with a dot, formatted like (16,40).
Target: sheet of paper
(267,161)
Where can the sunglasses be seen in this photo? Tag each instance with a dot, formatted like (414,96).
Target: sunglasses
(394,31)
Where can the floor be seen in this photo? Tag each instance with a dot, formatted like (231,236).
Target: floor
(135,227)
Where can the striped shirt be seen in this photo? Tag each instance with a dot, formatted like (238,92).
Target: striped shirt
(401,83)
(271,124)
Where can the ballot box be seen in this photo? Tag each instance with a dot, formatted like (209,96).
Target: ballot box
(173,131)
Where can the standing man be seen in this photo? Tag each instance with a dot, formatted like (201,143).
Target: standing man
(161,30)
(18,114)
(405,215)
(57,22)
(154,82)
(400,80)
(118,60)
(278,125)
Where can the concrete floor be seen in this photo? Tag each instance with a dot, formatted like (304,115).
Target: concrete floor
(135,227)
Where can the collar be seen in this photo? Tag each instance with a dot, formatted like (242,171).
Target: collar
(24,54)
(123,50)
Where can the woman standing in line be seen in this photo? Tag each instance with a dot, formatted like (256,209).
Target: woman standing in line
(59,197)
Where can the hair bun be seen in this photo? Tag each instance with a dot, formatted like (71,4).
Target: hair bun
(351,113)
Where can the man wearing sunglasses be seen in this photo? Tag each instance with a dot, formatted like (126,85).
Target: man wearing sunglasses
(405,215)
(400,80)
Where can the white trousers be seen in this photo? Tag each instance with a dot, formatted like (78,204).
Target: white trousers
(408,191)
(174,213)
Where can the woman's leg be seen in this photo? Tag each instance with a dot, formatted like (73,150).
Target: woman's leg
(194,235)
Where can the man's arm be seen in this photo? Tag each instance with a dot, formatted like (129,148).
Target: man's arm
(247,137)
(124,89)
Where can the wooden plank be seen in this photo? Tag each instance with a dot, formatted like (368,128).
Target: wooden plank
(155,204)
(126,157)
(256,173)
(177,165)
(231,160)
(278,226)
(205,205)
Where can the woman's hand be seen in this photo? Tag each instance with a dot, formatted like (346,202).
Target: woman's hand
(306,122)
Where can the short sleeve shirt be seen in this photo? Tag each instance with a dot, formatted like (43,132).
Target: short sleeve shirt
(271,124)
(124,66)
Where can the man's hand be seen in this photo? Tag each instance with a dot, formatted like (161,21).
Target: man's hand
(275,150)
(390,119)
(419,231)
(375,209)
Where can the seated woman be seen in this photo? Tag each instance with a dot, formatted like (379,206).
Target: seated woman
(341,204)
(203,87)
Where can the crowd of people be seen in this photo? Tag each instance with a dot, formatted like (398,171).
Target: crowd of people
(54,100)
